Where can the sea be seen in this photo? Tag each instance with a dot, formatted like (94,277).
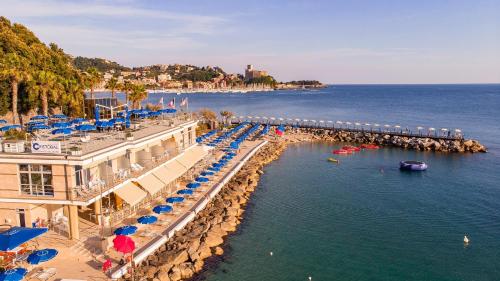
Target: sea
(364,219)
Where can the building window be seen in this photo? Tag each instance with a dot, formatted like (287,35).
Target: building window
(36,180)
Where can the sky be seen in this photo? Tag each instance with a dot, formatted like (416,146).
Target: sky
(339,42)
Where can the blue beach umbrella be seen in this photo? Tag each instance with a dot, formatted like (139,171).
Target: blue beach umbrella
(175,199)
(3,121)
(103,124)
(214,169)
(62,131)
(201,179)
(85,128)
(160,209)
(39,117)
(10,127)
(207,173)
(42,256)
(15,236)
(40,127)
(217,165)
(126,230)
(193,185)
(78,120)
(15,274)
(185,192)
(59,125)
(147,219)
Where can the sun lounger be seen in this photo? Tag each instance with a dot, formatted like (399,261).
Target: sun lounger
(45,274)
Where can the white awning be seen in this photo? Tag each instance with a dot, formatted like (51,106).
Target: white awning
(192,156)
(151,183)
(131,193)
(170,172)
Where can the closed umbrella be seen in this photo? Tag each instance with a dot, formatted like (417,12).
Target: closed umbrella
(42,256)
(126,230)
(160,209)
(15,274)
(185,192)
(175,199)
(124,244)
(147,219)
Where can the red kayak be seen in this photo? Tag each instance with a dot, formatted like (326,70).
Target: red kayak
(342,151)
(351,148)
(370,146)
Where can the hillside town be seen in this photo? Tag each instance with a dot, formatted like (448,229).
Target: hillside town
(187,78)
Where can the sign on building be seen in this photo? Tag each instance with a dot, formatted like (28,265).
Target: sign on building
(46,147)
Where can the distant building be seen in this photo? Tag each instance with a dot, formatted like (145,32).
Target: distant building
(164,78)
(251,73)
(107,76)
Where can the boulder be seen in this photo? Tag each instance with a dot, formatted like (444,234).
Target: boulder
(218,251)
(163,276)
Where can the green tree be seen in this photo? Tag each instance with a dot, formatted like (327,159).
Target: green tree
(73,97)
(226,115)
(137,95)
(43,83)
(15,69)
(127,87)
(93,79)
(112,85)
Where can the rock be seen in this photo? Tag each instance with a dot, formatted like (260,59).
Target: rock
(163,276)
(213,239)
(218,251)
(204,252)
(198,265)
(175,275)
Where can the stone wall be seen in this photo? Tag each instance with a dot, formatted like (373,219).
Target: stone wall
(422,143)
(184,254)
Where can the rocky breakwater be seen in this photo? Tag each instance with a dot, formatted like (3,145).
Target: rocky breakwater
(416,143)
(184,254)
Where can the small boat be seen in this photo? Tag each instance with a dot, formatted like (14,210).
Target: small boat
(342,151)
(370,146)
(412,165)
(352,148)
(333,160)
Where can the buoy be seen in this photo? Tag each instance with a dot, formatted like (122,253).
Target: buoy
(466,239)
(271,253)
(310,278)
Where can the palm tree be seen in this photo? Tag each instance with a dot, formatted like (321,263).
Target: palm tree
(137,95)
(93,79)
(14,69)
(73,97)
(226,115)
(43,83)
(127,87)
(112,85)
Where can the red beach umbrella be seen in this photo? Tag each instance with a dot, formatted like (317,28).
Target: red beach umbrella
(123,244)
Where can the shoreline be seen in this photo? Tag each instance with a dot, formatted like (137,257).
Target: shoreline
(185,254)
(202,243)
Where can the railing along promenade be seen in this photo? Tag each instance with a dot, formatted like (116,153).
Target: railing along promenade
(432,133)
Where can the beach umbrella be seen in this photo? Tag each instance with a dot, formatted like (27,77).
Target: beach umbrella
(175,199)
(40,127)
(85,128)
(15,274)
(207,173)
(160,209)
(62,131)
(15,236)
(10,127)
(193,185)
(39,117)
(201,179)
(103,124)
(3,121)
(214,169)
(59,116)
(124,244)
(217,165)
(185,192)
(78,120)
(126,230)
(42,256)
(147,219)
(60,125)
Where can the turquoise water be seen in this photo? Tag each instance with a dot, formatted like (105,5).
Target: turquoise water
(364,219)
